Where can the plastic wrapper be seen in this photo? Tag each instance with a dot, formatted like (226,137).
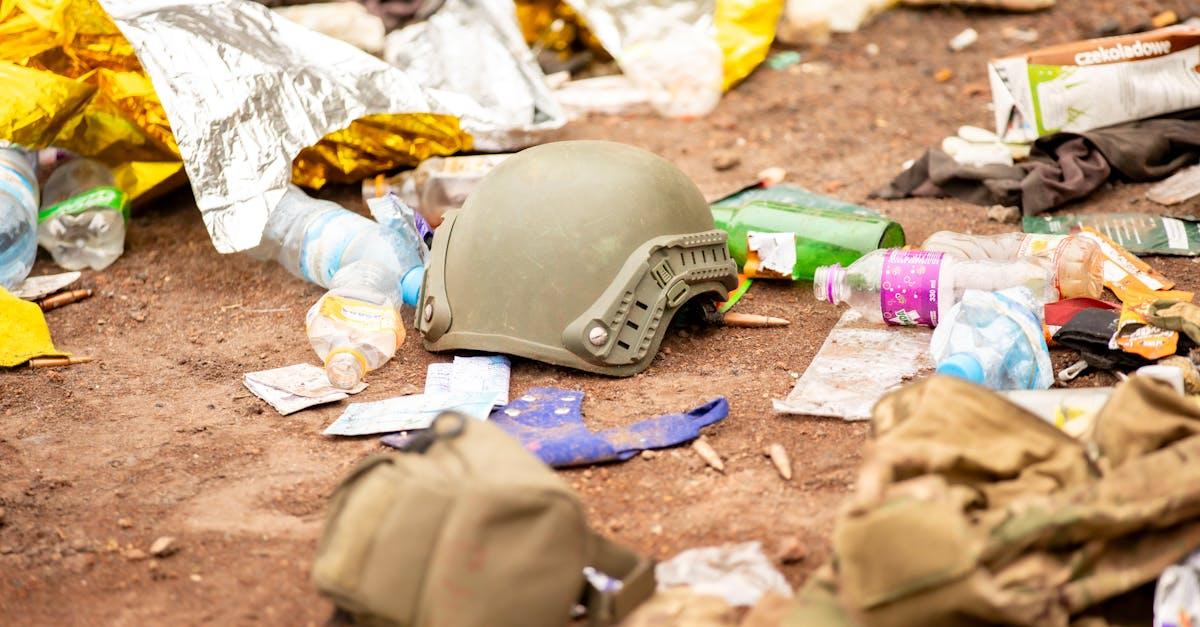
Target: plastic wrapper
(475,48)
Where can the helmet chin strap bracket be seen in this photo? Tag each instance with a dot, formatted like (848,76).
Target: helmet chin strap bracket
(660,276)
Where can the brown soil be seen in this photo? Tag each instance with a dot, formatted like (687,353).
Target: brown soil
(158,436)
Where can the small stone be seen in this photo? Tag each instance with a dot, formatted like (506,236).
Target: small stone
(1166,18)
(1109,27)
(683,334)
(943,75)
(124,523)
(196,577)
(649,454)
(135,555)
(1003,214)
(666,350)
(656,530)
(163,546)
(792,551)
(725,160)
(139,316)
(79,563)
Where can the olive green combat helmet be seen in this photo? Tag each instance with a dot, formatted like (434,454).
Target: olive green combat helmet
(575,253)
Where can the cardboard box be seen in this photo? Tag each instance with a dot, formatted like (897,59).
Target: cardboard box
(1095,83)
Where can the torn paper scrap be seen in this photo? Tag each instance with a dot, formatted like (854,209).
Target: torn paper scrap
(470,375)
(776,253)
(408,412)
(36,287)
(859,362)
(1181,186)
(292,388)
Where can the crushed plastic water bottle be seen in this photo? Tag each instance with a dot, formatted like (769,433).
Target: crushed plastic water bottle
(995,339)
(83,216)
(18,214)
(369,267)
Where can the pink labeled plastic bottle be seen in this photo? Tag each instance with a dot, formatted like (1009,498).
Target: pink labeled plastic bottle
(918,287)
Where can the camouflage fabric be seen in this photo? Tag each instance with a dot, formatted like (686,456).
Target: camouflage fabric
(971,511)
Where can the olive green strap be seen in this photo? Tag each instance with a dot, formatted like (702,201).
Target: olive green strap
(636,575)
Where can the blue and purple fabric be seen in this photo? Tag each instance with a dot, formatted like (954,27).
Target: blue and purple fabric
(549,422)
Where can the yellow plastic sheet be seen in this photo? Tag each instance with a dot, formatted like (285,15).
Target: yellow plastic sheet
(23,331)
(745,30)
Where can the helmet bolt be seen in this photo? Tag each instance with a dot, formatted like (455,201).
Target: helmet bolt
(428,312)
(598,336)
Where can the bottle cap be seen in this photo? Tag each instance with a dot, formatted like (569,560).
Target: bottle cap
(963,366)
(410,285)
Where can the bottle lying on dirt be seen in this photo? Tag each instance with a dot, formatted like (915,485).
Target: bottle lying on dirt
(18,215)
(370,270)
(1077,264)
(994,339)
(436,186)
(83,216)
(918,287)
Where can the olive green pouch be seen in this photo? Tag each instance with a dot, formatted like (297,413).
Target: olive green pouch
(466,528)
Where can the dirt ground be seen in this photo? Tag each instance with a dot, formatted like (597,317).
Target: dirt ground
(158,436)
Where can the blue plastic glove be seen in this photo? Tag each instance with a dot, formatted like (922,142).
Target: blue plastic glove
(548,421)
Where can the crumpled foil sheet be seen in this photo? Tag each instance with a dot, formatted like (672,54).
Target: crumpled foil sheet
(475,48)
(70,79)
(246,91)
(744,29)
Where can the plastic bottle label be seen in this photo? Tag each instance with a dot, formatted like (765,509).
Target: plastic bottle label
(16,185)
(908,294)
(1035,244)
(95,198)
(359,314)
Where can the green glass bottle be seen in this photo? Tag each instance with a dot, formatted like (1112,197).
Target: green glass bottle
(827,231)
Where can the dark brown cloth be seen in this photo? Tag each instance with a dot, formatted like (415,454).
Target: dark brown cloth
(1061,168)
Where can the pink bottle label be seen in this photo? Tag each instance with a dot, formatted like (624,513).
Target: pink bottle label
(908,293)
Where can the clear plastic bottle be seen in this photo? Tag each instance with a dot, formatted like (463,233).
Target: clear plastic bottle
(83,216)
(994,339)
(436,186)
(917,287)
(18,214)
(1077,263)
(370,270)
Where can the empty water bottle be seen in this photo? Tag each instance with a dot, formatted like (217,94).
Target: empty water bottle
(369,269)
(1077,263)
(917,287)
(83,216)
(18,214)
(995,339)
(436,186)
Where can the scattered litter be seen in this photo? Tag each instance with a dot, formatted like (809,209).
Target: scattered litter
(964,40)
(83,216)
(994,339)
(1179,187)
(292,388)
(549,422)
(23,332)
(36,287)
(1076,262)
(1182,316)
(783,59)
(817,229)
(1079,85)
(725,160)
(738,573)
(615,94)
(779,459)
(61,300)
(1137,233)
(1136,335)
(436,186)
(1020,35)
(708,454)
(406,413)
(470,375)
(857,364)
(1072,372)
